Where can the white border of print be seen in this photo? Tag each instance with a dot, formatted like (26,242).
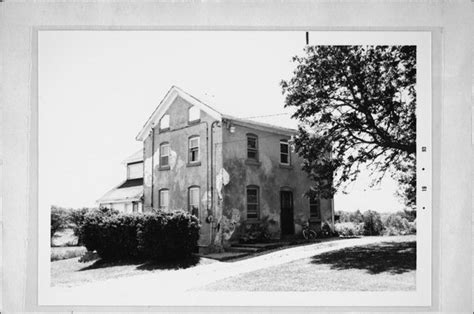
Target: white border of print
(420,297)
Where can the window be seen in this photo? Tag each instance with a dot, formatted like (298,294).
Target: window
(252,202)
(252,147)
(193,201)
(135,207)
(165,122)
(284,152)
(193,145)
(163,199)
(315,207)
(194,114)
(135,170)
(164,154)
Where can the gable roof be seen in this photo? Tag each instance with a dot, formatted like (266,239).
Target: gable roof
(166,102)
(261,125)
(136,157)
(175,91)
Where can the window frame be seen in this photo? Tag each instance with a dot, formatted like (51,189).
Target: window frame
(198,115)
(160,198)
(254,150)
(288,153)
(191,210)
(167,144)
(161,128)
(134,164)
(315,201)
(198,147)
(257,204)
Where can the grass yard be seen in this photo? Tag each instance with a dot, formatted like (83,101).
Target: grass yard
(71,272)
(64,237)
(66,252)
(385,266)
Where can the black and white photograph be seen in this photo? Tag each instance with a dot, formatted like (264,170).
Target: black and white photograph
(236,156)
(228,161)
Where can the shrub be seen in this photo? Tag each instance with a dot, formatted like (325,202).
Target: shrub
(181,235)
(412,229)
(156,235)
(258,232)
(59,220)
(112,235)
(409,214)
(76,219)
(151,234)
(349,229)
(395,224)
(372,223)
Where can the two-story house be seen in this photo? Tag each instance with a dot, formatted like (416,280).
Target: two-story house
(128,195)
(229,172)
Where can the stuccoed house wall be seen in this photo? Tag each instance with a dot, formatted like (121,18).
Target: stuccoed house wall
(223,171)
(181,175)
(269,175)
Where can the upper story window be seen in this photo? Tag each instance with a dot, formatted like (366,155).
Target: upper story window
(193,144)
(252,146)
(165,122)
(284,152)
(135,170)
(193,200)
(253,202)
(315,207)
(164,199)
(194,114)
(164,154)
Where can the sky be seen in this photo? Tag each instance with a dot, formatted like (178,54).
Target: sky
(98,88)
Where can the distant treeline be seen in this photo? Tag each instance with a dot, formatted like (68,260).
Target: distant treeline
(374,223)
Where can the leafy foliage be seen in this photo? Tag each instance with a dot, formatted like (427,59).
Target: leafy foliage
(357,108)
(257,232)
(395,224)
(156,235)
(355,217)
(168,236)
(372,223)
(59,220)
(76,218)
(349,229)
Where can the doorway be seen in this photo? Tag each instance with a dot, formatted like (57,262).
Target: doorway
(286,213)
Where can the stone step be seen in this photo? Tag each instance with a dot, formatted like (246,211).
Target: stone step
(243,249)
(260,246)
(224,256)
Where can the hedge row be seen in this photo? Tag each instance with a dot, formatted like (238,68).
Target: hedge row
(154,235)
(371,223)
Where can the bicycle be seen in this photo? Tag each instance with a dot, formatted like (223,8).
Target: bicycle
(308,233)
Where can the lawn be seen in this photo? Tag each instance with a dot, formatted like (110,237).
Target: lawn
(71,272)
(66,252)
(385,266)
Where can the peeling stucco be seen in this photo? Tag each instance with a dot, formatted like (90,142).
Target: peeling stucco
(172,158)
(222,179)
(266,164)
(229,224)
(147,172)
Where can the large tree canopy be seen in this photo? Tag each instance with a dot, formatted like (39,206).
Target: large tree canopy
(357,108)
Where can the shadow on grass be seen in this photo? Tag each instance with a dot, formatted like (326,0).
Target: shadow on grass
(146,265)
(392,257)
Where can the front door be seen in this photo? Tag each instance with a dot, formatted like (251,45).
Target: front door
(286,213)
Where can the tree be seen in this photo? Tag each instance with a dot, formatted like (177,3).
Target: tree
(59,220)
(356,105)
